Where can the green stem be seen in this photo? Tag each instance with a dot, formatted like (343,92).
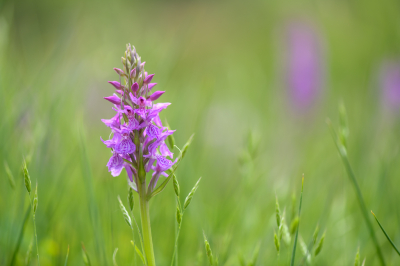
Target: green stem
(362,206)
(146,229)
(37,247)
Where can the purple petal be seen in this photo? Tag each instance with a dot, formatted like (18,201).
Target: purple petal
(150,86)
(116,84)
(156,95)
(115,164)
(165,151)
(114,99)
(148,79)
(126,146)
(135,87)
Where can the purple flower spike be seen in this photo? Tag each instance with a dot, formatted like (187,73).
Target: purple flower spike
(116,84)
(135,87)
(115,164)
(390,85)
(148,79)
(156,95)
(114,99)
(138,135)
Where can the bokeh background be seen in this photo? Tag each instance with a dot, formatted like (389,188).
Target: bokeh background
(254,80)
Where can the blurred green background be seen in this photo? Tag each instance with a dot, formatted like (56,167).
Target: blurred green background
(224,67)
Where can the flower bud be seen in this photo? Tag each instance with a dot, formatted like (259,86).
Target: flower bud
(156,95)
(119,71)
(133,73)
(116,84)
(135,87)
(148,79)
(113,99)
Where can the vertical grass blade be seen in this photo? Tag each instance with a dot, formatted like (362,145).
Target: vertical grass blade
(343,155)
(66,258)
(298,225)
(20,236)
(387,236)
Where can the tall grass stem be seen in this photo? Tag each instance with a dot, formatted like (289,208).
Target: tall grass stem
(298,225)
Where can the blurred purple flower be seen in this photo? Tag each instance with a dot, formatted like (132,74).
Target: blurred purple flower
(303,73)
(390,85)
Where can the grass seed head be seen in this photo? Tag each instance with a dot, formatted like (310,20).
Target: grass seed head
(178,215)
(277,212)
(315,235)
(277,242)
(35,200)
(176,186)
(320,244)
(125,213)
(27,178)
(294,224)
(191,194)
(130,198)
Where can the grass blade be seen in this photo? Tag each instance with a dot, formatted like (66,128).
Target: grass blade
(66,258)
(388,238)
(343,155)
(20,236)
(298,225)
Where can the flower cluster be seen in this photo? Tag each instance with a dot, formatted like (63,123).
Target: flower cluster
(137,137)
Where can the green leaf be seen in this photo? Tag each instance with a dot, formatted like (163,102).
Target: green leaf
(138,252)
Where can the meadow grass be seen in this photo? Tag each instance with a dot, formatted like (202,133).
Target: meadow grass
(222,66)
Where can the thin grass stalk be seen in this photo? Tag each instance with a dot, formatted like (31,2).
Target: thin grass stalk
(343,155)
(387,236)
(298,225)
(174,254)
